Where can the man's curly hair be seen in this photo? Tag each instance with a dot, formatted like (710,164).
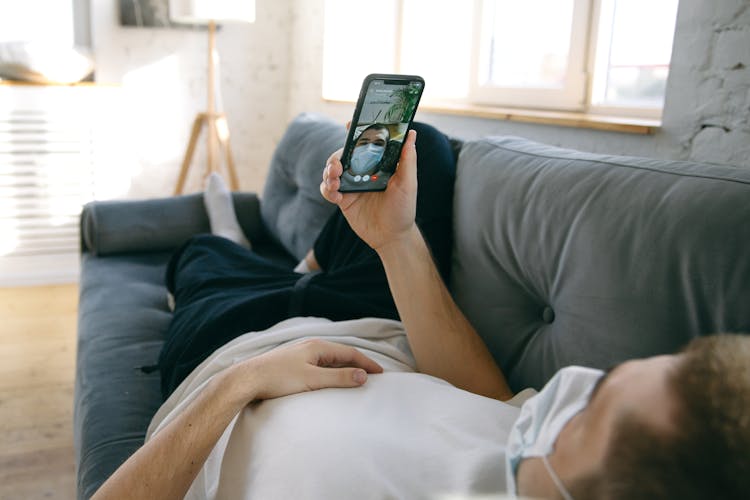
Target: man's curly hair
(707,454)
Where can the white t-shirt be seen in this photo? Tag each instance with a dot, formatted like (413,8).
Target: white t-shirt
(401,435)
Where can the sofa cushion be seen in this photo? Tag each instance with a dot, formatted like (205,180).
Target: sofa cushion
(563,257)
(293,209)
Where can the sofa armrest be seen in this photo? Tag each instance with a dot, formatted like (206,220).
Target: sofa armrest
(161,224)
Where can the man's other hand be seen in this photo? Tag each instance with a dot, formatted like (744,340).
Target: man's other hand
(303,366)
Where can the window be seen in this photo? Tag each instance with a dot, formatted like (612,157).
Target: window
(528,59)
(632,54)
(606,56)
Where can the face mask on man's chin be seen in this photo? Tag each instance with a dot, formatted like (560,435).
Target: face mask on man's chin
(543,416)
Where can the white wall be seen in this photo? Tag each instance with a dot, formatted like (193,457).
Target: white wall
(162,73)
(708,94)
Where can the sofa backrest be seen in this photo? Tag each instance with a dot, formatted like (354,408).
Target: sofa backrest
(563,257)
(293,210)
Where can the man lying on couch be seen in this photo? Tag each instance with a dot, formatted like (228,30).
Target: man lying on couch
(662,427)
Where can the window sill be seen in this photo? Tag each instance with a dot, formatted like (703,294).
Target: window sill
(610,123)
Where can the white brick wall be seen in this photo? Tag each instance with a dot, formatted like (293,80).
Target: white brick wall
(709,88)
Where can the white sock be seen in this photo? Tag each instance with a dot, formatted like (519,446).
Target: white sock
(218,201)
(302,267)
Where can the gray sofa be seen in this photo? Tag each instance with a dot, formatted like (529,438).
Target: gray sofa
(560,257)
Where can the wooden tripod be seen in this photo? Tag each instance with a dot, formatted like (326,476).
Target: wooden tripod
(217,129)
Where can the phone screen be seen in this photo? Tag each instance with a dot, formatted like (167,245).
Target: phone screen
(385,110)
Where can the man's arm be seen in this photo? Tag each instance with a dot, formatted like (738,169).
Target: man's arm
(166,466)
(443,341)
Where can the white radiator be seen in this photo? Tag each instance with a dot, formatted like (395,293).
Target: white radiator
(47,172)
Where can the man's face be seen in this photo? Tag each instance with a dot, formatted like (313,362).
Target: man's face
(379,137)
(638,389)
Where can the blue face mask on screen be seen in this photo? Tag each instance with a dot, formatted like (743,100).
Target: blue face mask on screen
(365,157)
(543,416)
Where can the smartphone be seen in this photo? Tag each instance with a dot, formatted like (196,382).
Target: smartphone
(384,112)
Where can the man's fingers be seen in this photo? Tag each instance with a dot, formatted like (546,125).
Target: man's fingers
(332,172)
(335,157)
(329,189)
(337,377)
(410,145)
(337,365)
(330,354)
(334,167)
(409,151)
(329,186)
(308,365)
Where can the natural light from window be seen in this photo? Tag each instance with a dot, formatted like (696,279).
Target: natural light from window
(438,50)
(47,21)
(634,49)
(358,42)
(597,56)
(526,49)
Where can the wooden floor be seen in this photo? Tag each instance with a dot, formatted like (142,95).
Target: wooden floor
(37,359)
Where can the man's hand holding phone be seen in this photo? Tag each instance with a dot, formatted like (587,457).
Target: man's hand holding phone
(381,217)
(382,117)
